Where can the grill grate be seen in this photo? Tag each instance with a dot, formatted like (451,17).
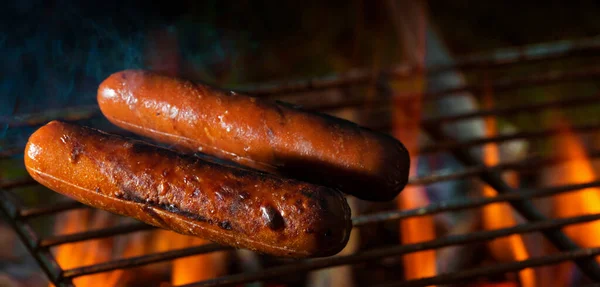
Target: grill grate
(19,215)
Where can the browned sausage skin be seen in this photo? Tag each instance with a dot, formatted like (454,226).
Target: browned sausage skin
(261,134)
(231,206)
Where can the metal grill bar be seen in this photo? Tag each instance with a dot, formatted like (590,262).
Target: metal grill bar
(552,77)
(142,260)
(451,145)
(525,208)
(500,58)
(19,182)
(27,213)
(67,114)
(500,85)
(29,238)
(528,163)
(8,152)
(454,146)
(459,277)
(357,221)
(439,207)
(470,171)
(87,112)
(39,247)
(374,254)
(94,234)
(571,102)
(566,103)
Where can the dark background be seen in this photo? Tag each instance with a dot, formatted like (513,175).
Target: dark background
(54,53)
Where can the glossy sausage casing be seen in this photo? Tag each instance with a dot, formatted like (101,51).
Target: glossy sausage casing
(257,133)
(230,206)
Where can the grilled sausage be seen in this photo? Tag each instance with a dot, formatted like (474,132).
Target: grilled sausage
(230,206)
(261,134)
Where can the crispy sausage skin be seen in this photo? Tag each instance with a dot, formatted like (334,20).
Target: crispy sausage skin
(248,209)
(261,134)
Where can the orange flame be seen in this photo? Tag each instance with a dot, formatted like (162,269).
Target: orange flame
(410,19)
(578,169)
(417,229)
(193,268)
(184,270)
(499,215)
(88,252)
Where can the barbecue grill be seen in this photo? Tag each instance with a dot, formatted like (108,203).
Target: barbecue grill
(458,180)
(20,216)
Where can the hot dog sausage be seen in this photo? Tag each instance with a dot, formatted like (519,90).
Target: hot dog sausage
(230,206)
(257,133)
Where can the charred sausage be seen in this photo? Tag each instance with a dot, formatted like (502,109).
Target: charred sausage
(242,208)
(261,134)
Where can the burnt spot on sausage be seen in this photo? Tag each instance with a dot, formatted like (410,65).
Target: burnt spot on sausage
(76,150)
(282,118)
(323,203)
(140,148)
(307,193)
(147,206)
(172,208)
(327,233)
(225,225)
(148,210)
(299,204)
(271,217)
(309,230)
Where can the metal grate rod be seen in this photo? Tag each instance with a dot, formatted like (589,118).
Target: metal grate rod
(309,265)
(525,208)
(67,114)
(142,260)
(502,268)
(446,144)
(19,182)
(29,238)
(569,102)
(358,221)
(495,59)
(439,207)
(8,152)
(31,212)
(95,234)
(469,171)
(552,77)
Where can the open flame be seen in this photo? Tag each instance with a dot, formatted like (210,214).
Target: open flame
(578,169)
(417,229)
(192,268)
(183,271)
(89,252)
(500,215)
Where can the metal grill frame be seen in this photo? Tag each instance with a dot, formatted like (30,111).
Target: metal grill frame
(18,216)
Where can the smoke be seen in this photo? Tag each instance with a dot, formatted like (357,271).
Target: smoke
(54,54)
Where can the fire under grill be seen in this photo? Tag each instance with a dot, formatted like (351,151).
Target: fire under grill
(438,141)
